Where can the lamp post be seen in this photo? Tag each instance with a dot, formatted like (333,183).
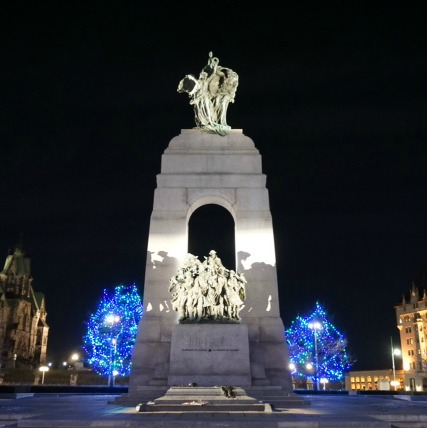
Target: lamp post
(393,353)
(292,368)
(316,326)
(112,320)
(43,369)
(324,381)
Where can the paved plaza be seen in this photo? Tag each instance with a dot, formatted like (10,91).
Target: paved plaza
(87,410)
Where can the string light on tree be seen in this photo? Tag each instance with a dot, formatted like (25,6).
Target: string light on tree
(124,305)
(330,360)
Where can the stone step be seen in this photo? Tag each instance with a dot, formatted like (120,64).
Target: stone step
(278,397)
(204,399)
(260,407)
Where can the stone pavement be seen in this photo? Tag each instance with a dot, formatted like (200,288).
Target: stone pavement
(325,411)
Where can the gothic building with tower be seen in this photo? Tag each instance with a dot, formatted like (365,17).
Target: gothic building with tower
(411,318)
(23,327)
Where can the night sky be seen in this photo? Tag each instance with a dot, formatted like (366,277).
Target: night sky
(333,96)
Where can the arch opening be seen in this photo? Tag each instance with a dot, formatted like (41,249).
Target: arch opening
(211,227)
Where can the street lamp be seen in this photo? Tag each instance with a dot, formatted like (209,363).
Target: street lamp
(394,352)
(43,369)
(316,326)
(112,320)
(324,381)
(292,368)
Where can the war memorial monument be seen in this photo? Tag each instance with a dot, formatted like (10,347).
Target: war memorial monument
(209,331)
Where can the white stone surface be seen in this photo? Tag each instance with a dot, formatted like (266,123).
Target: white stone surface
(198,168)
(210,354)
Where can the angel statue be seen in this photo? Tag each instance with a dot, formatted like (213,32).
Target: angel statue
(210,95)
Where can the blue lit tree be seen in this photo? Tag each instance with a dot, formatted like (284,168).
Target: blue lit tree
(313,339)
(111,331)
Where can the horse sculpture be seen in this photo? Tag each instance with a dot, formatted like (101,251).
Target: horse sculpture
(210,95)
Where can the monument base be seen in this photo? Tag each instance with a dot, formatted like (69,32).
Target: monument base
(205,399)
(209,355)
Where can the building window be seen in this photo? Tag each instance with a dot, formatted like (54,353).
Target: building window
(362,379)
(368,379)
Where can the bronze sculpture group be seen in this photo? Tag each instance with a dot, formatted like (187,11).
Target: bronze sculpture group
(210,95)
(207,291)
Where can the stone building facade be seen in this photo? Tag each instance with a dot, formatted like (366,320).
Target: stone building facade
(23,327)
(411,319)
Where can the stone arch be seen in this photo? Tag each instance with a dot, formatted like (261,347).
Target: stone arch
(216,197)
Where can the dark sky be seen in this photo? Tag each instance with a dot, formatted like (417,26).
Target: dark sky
(333,95)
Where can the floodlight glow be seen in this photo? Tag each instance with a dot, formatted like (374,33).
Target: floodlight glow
(268,308)
(259,244)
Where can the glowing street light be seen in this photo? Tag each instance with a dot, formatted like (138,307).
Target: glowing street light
(112,320)
(394,352)
(324,381)
(292,368)
(316,326)
(43,369)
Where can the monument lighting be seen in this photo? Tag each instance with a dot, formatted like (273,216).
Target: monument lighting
(43,369)
(316,327)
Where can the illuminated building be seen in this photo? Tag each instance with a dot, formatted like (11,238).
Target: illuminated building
(373,380)
(23,327)
(411,317)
